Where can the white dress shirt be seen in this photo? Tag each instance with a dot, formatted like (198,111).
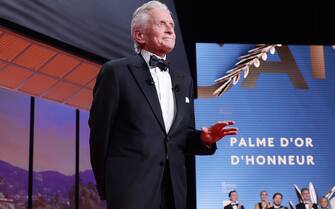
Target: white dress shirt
(307,205)
(163,86)
(234,205)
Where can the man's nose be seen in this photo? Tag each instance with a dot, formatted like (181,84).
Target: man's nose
(169,30)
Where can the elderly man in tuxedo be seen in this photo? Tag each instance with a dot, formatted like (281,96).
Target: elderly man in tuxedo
(142,121)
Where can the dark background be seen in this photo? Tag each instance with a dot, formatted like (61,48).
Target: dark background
(238,21)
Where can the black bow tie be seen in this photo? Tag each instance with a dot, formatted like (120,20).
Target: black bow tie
(157,62)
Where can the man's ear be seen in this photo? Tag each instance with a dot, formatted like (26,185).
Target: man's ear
(139,37)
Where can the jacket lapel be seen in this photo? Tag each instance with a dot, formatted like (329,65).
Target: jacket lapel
(141,73)
(177,85)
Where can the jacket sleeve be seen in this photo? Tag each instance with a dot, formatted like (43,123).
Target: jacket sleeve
(101,119)
(195,146)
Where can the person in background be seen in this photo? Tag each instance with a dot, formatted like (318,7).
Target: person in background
(306,204)
(277,200)
(234,204)
(324,203)
(264,203)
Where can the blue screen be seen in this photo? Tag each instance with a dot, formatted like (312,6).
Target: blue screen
(285,113)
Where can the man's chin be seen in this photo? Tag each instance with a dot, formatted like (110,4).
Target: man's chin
(168,48)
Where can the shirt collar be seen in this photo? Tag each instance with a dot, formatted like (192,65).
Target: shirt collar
(146,56)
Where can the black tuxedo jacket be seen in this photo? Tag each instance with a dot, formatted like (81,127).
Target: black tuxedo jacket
(128,142)
(302,206)
(229,206)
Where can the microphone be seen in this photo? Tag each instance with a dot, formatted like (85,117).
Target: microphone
(150,82)
(176,88)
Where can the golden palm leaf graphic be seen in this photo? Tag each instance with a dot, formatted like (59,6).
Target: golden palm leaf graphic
(243,65)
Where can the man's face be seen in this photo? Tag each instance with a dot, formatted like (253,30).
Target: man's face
(233,197)
(305,195)
(264,196)
(324,203)
(277,200)
(159,36)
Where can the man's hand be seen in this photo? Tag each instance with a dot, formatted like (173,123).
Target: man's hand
(217,131)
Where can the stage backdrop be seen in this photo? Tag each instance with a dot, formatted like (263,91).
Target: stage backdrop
(100,27)
(54,156)
(286,118)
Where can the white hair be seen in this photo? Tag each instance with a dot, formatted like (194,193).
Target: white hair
(140,19)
